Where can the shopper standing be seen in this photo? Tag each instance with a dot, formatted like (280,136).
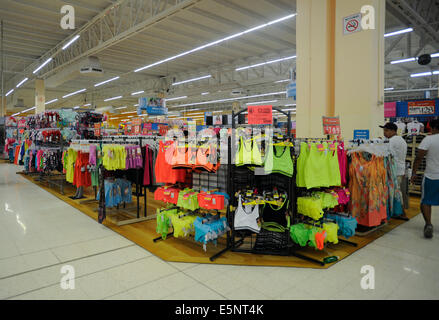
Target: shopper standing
(429,148)
(398,148)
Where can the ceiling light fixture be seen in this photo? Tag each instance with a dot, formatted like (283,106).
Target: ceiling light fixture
(435,55)
(137,92)
(73,93)
(9,92)
(389,89)
(120,108)
(422,74)
(88,104)
(216,42)
(230,99)
(395,33)
(39,68)
(114,98)
(258,102)
(28,110)
(403,60)
(70,42)
(106,81)
(77,107)
(264,63)
(128,112)
(204,93)
(177,98)
(51,101)
(279,81)
(15,114)
(191,80)
(22,81)
(290,105)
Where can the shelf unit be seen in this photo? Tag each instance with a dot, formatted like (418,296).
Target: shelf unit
(413,142)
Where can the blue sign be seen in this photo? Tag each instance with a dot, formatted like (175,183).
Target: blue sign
(152,106)
(361,134)
(291,90)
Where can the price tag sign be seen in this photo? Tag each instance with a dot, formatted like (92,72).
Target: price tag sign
(136,130)
(97,129)
(331,126)
(260,114)
(137,122)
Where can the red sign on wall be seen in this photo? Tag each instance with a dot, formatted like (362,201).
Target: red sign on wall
(260,114)
(331,125)
(421,108)
(389,109)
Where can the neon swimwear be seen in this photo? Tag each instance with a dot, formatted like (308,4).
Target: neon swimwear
(246,218)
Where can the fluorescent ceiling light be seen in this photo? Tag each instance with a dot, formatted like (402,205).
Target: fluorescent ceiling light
(193,109)
(436,72)
(191,80)
(389,89)
(114,98)
(258,102)
(46,62)
(192,114)
(51,101)
(121,108)
(204,93)
(28,110)
(15,114)
(402,60)
(264,63)
(22,81)
(136,105)
(88,104)
(290,105)
(128,112)
(293,109)
(106,81)
(77,107)
(177,98)
(279,81)
(137,92)
(216,42)
(422,74)
(130,116)
(73,93)
(70,42)
(9,92)
(435,55)
(395,33)
(230,99)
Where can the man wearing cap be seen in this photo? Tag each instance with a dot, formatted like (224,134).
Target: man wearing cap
(398,148)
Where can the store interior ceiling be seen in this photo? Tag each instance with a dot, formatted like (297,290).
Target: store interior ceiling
(232,50)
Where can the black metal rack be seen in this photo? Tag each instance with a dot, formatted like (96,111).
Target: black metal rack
(236,239)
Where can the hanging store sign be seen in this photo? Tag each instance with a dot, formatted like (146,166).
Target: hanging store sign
(361,134)
(416,108)
(152,105)
(389,109)
(331,125)
(97,129)
(352,24)
(260,114)
(163,129)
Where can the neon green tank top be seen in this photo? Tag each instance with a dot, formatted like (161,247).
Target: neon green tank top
(278,160)
(248,153)
(301,163)
(315,174)
(333,166)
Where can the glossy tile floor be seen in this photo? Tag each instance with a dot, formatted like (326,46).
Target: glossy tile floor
(39,234)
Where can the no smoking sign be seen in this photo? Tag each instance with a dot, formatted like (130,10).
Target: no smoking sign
(352,24)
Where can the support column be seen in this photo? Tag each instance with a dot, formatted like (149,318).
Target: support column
(313,87)
(337,74)
(2,106)
(359,85)
(40,98)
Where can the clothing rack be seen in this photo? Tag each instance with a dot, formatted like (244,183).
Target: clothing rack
(234,242)
(140,189)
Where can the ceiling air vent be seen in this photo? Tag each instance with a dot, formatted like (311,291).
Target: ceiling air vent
(92,66)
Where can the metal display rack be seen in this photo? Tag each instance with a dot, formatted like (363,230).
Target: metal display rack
(413,142)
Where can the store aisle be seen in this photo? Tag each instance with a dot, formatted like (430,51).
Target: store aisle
(39,234)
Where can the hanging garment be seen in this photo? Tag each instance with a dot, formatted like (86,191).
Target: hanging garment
(395,199)
(182,226)
(248,153)
(209,229)
(246,218)
(368,188)
(310,207)
(210,201)
(343,162)
(164,172)
(188,199)
(163,219)
(333,165)
(317,161)
(81,176)
(278,160)
(273,213)
(346,225)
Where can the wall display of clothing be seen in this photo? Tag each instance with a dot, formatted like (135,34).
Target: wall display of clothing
(375,193)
